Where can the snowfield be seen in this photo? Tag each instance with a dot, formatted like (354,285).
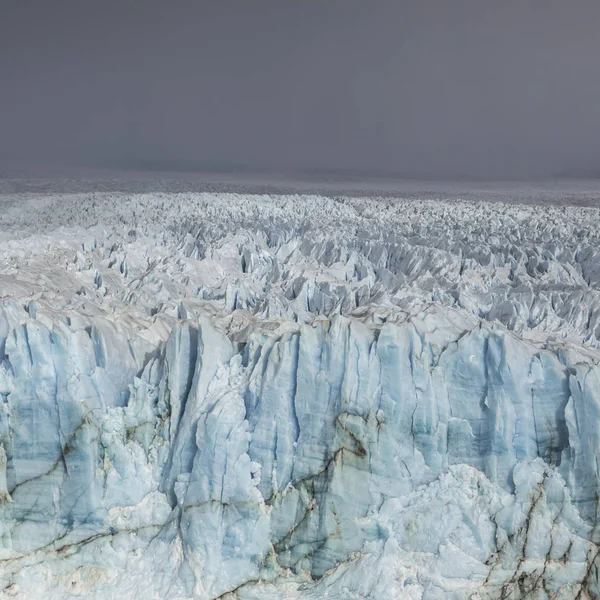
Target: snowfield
(259,397)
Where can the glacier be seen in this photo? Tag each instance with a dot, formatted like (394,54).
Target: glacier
(248,396)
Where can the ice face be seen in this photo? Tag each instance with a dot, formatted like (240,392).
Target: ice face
(309,415)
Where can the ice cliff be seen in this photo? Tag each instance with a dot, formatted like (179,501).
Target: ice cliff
(250,397)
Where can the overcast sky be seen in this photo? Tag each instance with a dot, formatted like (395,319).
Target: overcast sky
(481,88)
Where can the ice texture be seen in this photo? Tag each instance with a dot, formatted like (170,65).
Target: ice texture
(230,396)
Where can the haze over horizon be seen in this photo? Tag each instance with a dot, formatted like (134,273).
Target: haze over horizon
(427,90)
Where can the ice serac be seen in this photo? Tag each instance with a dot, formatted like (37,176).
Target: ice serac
(304,451)
(293,430)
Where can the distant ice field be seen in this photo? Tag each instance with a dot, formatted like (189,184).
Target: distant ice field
(582,192)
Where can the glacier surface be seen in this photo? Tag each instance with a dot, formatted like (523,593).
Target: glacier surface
(234,396)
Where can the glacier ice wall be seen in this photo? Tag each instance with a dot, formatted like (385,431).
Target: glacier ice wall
(208,396)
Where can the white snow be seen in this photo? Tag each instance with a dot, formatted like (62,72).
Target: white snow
(297,397)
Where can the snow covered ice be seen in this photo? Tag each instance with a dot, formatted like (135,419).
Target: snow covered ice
(235,396)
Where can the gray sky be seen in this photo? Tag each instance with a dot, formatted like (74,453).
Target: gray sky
(442,88)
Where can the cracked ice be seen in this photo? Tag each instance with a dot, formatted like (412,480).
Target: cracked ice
(298,397)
